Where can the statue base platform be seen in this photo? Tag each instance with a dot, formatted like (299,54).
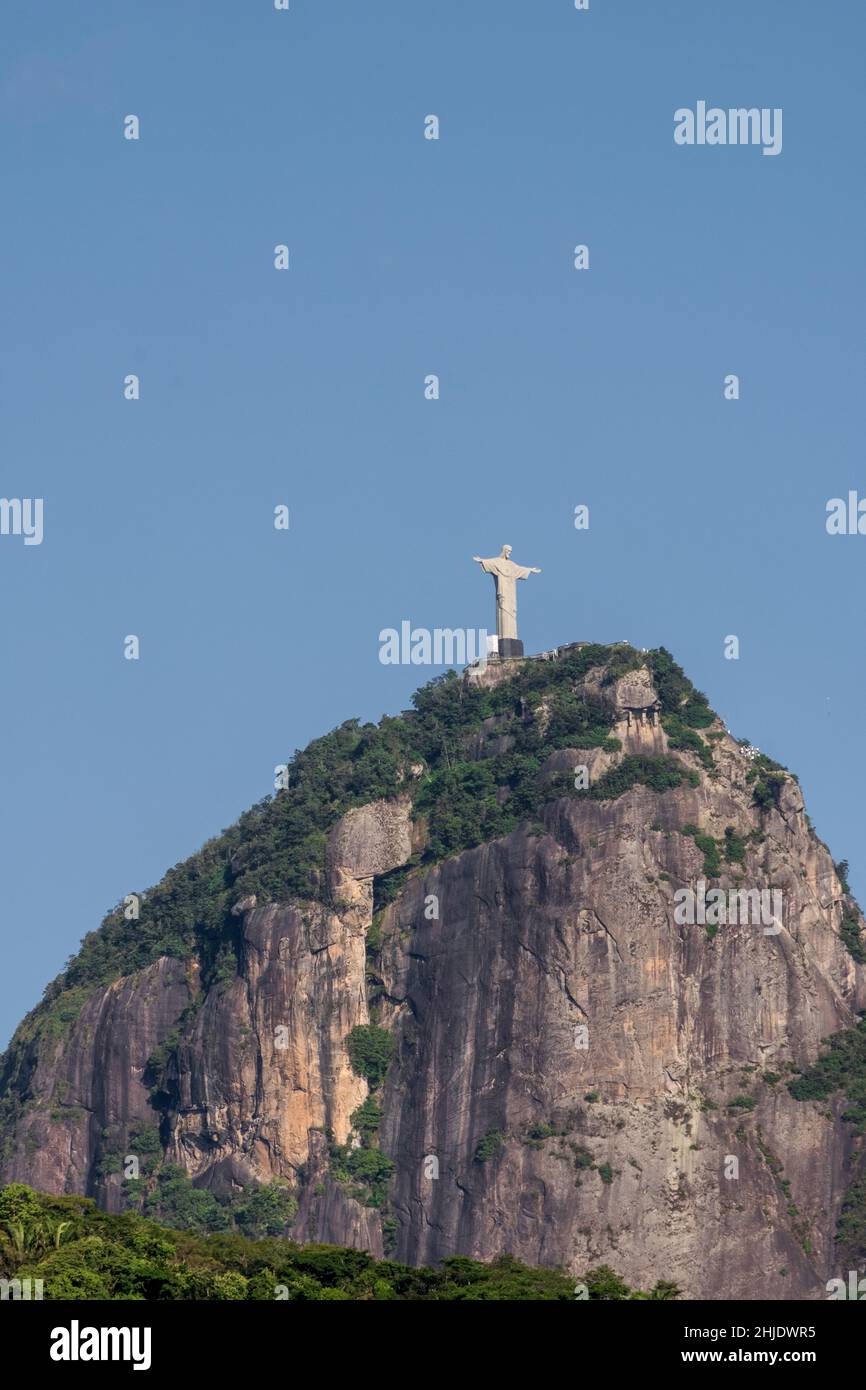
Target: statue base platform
(509,647)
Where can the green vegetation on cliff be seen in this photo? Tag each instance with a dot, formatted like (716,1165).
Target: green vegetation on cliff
(681,736)
(852,936)
(80,1252)
(362,1166)
(768,777)
(841,1070)
(165,1192)
(264,1210)
(370,1050)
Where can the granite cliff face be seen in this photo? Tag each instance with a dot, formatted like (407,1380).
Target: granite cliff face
(576,1076)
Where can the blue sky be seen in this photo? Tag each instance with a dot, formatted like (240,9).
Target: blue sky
(305,387)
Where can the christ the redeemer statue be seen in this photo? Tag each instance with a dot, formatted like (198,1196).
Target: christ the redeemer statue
(505,576)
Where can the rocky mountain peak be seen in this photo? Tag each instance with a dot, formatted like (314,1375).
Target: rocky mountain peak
(533,968)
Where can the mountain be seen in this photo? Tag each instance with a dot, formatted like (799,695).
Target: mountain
(441,996)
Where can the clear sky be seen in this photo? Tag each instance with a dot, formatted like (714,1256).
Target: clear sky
(306,387)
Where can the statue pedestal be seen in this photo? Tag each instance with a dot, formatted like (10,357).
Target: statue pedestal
(509,648)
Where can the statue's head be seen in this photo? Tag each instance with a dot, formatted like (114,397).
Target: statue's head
(506,551)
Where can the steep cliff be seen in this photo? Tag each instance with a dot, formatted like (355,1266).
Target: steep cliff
(442,991)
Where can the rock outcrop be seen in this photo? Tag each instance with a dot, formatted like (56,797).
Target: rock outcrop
(91,1080)
(543,936)
(577,1077)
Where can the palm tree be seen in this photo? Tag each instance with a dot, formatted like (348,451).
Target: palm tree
(26,1241)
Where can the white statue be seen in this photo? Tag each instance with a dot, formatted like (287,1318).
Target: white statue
(505,576)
